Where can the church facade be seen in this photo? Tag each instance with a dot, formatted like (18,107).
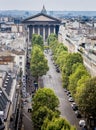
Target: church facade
(42,24)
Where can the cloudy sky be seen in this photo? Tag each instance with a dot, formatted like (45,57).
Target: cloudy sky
(49,5)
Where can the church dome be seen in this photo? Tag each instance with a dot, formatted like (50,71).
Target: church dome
(43,10)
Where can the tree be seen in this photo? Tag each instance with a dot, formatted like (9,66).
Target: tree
(45,104)
(41,114)
(37,40)
(38,62)
(76,76)
(52,37)
(87,98)
(57,124)
(70,60)
(45,97)
(53,45)
(80,87)
(58,49)
(61,59)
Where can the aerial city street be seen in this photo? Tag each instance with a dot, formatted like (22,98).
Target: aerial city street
(47,66)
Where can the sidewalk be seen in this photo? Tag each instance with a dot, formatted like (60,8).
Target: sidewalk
(40,82)
(27,117)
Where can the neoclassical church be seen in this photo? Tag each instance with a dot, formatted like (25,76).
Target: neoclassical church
(42,24)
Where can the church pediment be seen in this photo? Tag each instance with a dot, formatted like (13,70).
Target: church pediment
(41,18)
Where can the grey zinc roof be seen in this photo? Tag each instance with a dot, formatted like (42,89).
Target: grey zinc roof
(4,94)
(7,84)
(4,104)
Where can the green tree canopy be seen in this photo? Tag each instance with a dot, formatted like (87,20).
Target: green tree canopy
(37,40)
(80,86)
(76,76)
(87,97)
(52,37)
(58,49)
(70,60)
(57,124)
(38,62)
(61,59)
(45,97)
(41,114)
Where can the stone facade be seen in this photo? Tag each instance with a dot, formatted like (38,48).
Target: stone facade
(42,24)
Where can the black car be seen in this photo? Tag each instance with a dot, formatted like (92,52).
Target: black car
(68,93)
(78,114)
(57,70)
(74,106)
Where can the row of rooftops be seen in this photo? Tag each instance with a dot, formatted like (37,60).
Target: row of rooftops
(76,30)
(81,37)
(9,45)
(5,93)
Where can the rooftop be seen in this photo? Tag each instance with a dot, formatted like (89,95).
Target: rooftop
(5,92)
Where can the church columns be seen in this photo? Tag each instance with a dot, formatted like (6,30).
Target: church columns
(44,33)
(48,30)
(54,29)
(38,30)
(43,30)
(33,30)
(28,33)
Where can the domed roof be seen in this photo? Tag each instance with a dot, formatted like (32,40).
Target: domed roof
(43,10)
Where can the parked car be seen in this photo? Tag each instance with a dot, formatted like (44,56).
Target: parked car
(69,95)
(68,92)
(78,114)
(82,123)
(71,99)
(65,90)
(74,106)
(24,83)
(57,70)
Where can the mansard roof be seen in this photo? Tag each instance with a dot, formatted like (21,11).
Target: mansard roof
(41,17)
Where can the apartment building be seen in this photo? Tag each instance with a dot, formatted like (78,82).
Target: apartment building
(12,60)
(80,38)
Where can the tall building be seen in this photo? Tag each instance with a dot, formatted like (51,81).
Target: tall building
(42,24)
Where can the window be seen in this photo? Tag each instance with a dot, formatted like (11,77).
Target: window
(20,57)
(20,63)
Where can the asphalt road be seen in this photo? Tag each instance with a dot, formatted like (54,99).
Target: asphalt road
(27,119)
(53,80)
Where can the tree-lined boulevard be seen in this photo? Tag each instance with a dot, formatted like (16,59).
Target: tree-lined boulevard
(73,77)
(53,80)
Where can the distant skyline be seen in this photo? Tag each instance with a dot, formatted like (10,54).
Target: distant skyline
(50,5)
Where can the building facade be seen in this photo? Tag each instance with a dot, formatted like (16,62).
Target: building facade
(42,24)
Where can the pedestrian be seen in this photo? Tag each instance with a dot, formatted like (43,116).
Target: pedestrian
(35,85)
